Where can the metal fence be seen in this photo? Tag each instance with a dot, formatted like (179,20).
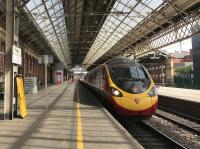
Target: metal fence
(181,82)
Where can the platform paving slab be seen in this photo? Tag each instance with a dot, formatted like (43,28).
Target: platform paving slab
(180,93)
(58,127)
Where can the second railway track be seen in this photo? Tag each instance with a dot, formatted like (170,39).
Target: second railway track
(179,121)
(156,133)
(185,116)
(149,137)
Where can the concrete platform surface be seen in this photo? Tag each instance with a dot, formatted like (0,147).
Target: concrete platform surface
(180,93)
(74,120)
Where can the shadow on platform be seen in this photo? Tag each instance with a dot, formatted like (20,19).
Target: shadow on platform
(28,133)
(84,96)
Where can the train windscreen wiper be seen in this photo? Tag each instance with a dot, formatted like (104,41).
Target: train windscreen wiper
(113,71)
(139,79)
(134,79)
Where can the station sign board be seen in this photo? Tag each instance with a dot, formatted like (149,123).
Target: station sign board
(30,85)
(78,70)
(45,59)
(16,55)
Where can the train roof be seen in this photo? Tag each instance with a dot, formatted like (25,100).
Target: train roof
(118,61)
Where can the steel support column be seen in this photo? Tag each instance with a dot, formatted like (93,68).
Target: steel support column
(196,60)
(8,99)
(170,72)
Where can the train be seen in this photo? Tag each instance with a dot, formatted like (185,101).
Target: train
(125,85)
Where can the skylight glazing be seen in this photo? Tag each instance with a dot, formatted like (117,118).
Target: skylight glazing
(49,17)
(125,15)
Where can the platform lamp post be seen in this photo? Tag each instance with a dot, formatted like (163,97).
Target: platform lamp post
(46,59)
(162,75)
(8,94)
(46,91)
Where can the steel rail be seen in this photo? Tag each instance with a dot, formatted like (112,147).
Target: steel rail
(184,126)
(194,119)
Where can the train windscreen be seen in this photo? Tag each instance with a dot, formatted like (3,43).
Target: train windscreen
(131,78)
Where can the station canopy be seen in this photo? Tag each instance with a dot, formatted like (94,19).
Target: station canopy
(83,32)
(124,16)
(120,17)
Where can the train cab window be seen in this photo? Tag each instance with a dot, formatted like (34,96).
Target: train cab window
(131,78)
(129,72)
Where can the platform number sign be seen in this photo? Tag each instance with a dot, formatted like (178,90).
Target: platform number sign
(16,55)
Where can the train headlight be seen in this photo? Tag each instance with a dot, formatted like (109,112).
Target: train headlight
(116,92)
(153,92)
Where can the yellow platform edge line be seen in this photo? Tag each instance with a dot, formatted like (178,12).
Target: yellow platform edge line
(79,124)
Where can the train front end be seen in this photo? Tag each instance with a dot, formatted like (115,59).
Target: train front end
(132,91)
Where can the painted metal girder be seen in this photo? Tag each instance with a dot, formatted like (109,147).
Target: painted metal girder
(173,19)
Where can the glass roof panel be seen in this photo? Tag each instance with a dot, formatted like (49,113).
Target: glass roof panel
(153,3)
(48,15)
(124,16)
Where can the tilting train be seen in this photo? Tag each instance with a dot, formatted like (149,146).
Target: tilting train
(125,85)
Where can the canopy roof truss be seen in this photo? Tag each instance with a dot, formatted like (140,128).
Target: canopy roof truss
(84,19)
(49,16)
(169,22)
(30,35)
(117,25)
(93,31)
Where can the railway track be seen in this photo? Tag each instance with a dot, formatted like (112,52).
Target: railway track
(146,134)
(193,119)
(183,122)
(149,137)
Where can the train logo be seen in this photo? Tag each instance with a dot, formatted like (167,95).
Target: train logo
(136,101)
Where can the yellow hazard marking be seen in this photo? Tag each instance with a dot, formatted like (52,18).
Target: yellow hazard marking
(79,125)
(21,97)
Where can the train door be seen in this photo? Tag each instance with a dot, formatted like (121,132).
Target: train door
(100,79)
(103,79)
(102,82)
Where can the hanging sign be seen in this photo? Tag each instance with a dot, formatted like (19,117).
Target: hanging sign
(16,55)
(45,59)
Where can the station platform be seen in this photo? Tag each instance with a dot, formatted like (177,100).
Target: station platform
(180,93)
(184,101)
(74,120)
